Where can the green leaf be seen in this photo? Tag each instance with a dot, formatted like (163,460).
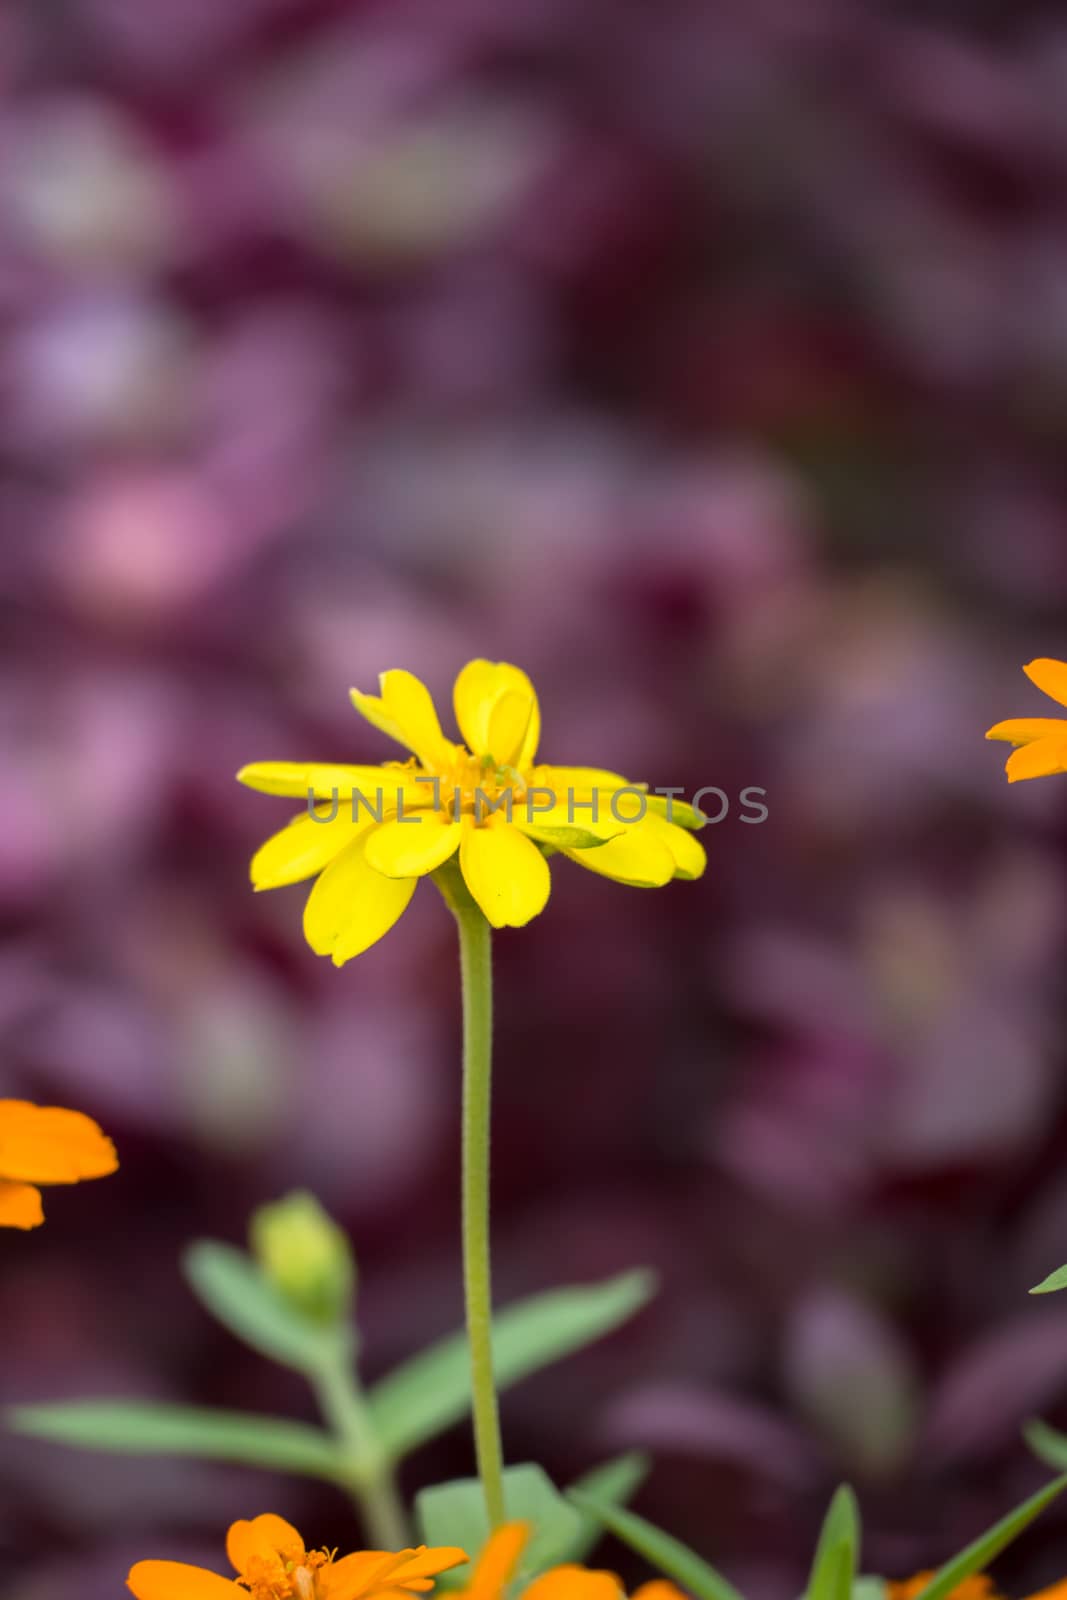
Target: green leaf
(868,1588)
(614,1484)
(978,1555)
(432,1391)
(1048,1444)
(833,1570)
(1055,1280)
(133,1427)
(666,1553)
(236,1291)
(454,1513)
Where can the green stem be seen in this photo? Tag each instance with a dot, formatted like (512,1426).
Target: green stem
(476,966)
(370,1479)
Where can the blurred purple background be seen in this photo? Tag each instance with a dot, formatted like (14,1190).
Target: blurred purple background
(709,360)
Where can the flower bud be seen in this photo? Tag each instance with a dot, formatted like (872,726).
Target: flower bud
(305,1255)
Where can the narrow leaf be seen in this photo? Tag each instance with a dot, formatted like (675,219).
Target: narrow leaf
(614,1484)
(232,1287)
(1055,1280)
(668,1554)
(978,1555)
(432,1391)
(1048,1444)
(132,1427)
(834,1567)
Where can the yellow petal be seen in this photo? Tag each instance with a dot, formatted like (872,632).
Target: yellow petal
(265,1536)
(497,712)
(507,874)
(1026,730)
(20,1205)
(574,1583)
(498,1561)
(579,780)
(690,857)
(414,846)
(1039,760)
(48,1144)
(296,779)
(405,711)
(351,906)
(637,857)
(1050,677)
(173,1580)
(304,848)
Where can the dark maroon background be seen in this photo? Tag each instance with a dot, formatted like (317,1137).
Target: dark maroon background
(709,360)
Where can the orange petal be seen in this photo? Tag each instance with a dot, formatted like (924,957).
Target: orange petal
(361,1573)
(1056,1591)
(47,1144)
(574,1583)
(264,1536)
(1040,760)
(426,1562)
(1050,677)
(498,1561)
(1025,730)
(658,1589)
(173,1580)
(20,1206)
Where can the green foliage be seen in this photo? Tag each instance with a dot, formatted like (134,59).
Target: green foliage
(454,1513)
(833,1570)
(131,1427)
(1055,1280)
(237,1291)
(666,1553)
(433,1390)
(1048,1444)
(614,1483)
(978,1555)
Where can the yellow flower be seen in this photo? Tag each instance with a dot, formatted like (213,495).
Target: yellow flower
(369,833)
(978,1587)
(272,1563)
(42,1145)
(1041,741)
(499,1559)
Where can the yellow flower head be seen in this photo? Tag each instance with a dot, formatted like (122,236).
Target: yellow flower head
(272,1563)
(1041,741)
(369,833)
(497,1564)
(41,1145)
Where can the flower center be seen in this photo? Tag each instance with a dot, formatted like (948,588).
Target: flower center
(290,1575)
(475,785)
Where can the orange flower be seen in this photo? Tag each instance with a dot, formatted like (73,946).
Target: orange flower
(45,1144)
(1041,742)
(272,1563)
(498,1561)
(978,1587)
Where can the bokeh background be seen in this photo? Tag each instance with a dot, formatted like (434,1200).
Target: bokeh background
(708,359)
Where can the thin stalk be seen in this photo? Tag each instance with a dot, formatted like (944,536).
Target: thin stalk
(476,966)
(370,1479)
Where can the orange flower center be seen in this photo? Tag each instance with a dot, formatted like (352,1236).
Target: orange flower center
(290,1575)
